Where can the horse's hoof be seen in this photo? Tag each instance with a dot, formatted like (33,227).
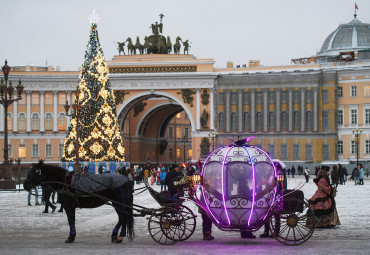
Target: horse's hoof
(119,239)
(69,240)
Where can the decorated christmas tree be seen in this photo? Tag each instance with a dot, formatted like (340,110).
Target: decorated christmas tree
(93,118)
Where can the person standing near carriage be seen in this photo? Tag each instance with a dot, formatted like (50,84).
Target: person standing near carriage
(47,190)
(169,180)
(163,179)
(36,197)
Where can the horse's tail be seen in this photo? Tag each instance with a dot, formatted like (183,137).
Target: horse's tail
(130,216)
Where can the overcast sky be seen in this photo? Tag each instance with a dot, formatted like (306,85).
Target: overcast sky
(273,31)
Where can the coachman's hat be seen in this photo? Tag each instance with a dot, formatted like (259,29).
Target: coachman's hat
(325,168)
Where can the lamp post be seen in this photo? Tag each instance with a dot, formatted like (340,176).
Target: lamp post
(77,108)
(184,140)
(213,136)
(357,133)
(6,99)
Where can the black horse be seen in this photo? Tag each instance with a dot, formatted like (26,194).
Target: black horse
(71,198)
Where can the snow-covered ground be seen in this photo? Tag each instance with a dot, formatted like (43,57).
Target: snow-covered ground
(25,230)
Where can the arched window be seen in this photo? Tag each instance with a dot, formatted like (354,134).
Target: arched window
(221,121)
(35,121)
(22,121)
(271,120)
(10,122)
(296,120)
(259,120)
(48,121)
(233,121)
(309,120)
(246,121)
(284,120)
(62,121)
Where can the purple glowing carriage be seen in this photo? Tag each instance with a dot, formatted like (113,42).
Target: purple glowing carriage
(240,188)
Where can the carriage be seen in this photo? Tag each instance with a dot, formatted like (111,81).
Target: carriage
(240,188)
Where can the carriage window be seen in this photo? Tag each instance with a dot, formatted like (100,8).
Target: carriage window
(213,178)
(239,179)
(264,176)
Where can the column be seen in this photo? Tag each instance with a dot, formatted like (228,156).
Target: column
(42,114)
(1,118)
(212,110)
(240,110)
(15,113)
(315,113)
(278,109)
(55,119)
(303,115)
(265,111)
(69,102)
(253,110)
(290,111)
(227,107)
(28,129)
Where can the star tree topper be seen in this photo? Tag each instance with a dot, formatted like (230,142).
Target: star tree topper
(94,18)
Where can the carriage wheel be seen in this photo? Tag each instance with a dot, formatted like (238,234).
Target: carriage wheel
(190,221)
(292,227)
(166,226)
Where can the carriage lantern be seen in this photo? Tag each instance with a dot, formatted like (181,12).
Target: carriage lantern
(239,185)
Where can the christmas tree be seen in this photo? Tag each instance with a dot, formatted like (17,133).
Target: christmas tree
(93,119)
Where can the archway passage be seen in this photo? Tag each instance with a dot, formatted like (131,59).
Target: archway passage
(156,129)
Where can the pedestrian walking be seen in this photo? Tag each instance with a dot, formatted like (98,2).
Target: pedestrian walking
(163,175)
(292,171)
(362,175)
(36,197)
(356,174)
(47,190)
(335,176)
(307,174)
(367,172)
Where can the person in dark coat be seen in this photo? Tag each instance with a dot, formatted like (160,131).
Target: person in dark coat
(174,172)
(292,171)
(47,190)
(341,174)
(335,176)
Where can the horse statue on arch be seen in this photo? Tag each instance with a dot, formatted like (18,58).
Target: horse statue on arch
(131,50)
(139,46)
(169,45)
(70,196)
(177,46)
(146,45)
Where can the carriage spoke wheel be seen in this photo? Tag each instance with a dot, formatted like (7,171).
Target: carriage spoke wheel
(190,221)
(166,226)
(294,224)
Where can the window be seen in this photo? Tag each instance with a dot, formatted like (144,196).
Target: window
(221,97)
(61,98)
(296,152)
(48,121)
(259,98)
(259,120)
(35,150)
(353,116)
(10,122)
(233,121)
(272,97)
(297,98)
(178,132)
(35,121)
(284,96)
(367,146)
(353,147)
(10,150)
(325,152)
(178,153)
(325,120)
(325,96)
(340,92)
(353,91)
(309,96)
(234,98)
(178,115)
(62,121)
(246,97)
(48,150)
(296,120)
(284,120)
(49,98)
(259,145)
(271,150)
(340,117)
(190,153)
(35,98)
(22,151)
(367,91)
(367,116)
(308,151)
(186,133)
(170,154)
(309,120)
(221,120)
(246,121)
(271,121)
(60,150)
(170,132)
(284,151)
(340,147)
(22,121)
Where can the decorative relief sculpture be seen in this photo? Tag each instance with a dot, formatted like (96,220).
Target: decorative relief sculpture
(187,96)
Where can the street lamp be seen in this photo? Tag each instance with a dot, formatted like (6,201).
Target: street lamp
(77,110)
(213,136)
(357,133)
(6,99)
(184,140)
